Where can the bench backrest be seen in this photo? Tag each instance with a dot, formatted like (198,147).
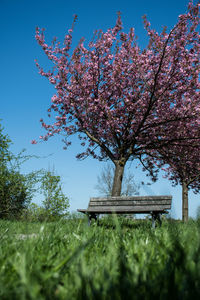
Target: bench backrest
(124,204)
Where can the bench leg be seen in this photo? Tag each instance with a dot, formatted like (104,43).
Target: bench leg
(90,217)
(156,217)
(159,220)
(153,221)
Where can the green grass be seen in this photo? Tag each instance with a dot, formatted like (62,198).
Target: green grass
(120,259)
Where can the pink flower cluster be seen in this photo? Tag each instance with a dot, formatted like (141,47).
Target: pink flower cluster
(124,100)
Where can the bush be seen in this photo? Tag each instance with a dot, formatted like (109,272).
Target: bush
(16,189)
(14,193)
(36,213)
(55,203)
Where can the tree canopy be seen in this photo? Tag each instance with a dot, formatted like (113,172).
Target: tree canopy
(124,100)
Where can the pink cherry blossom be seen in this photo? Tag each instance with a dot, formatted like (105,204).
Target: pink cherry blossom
(126,101)
(33,142)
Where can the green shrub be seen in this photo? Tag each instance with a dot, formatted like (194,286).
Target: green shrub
(55,203)
(14,193)
(16,189)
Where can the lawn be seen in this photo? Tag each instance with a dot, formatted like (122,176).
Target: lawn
(119,259)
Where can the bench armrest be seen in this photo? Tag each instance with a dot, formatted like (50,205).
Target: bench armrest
(84,211)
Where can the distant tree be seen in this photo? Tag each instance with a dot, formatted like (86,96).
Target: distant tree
(13,193)
(55,203)
(5,154)
(105,182)
(181,164)
(121,100)
(198,213)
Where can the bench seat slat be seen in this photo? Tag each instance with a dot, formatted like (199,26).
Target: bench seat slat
(128,203)
(127,198)
(128,209)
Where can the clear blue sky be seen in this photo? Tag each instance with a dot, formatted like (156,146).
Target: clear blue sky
(25,95)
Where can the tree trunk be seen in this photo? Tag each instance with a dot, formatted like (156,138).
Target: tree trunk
(118,177)
(184,202)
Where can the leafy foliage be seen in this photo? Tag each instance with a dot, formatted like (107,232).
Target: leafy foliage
(16,189)
(14,192)
(55,203)
(34,213)
(4,147)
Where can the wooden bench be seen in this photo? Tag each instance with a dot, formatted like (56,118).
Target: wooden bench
(154,205)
